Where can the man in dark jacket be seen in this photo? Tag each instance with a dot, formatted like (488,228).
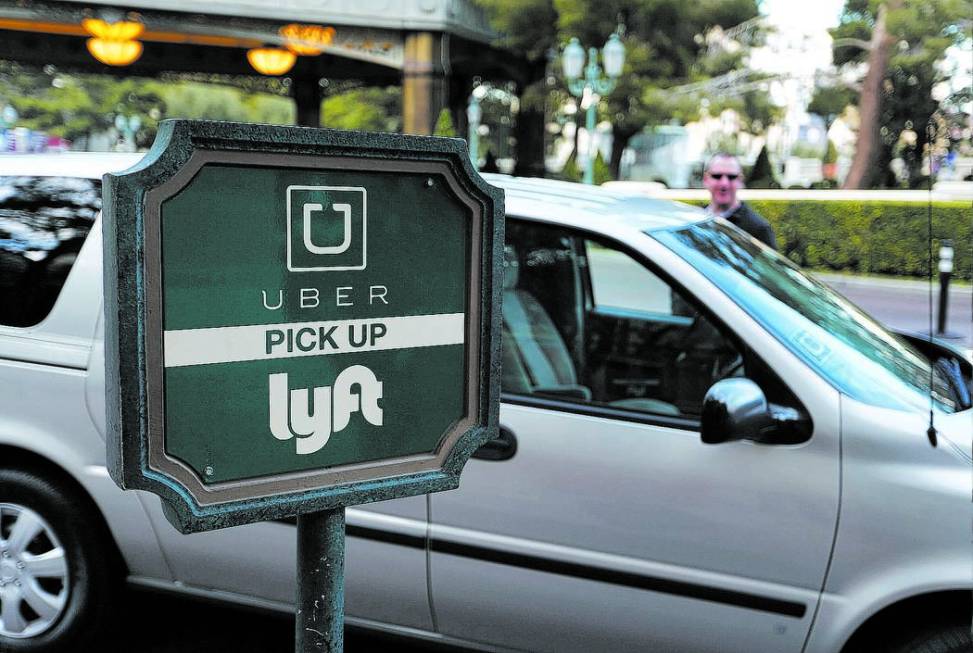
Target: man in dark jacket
(723,177)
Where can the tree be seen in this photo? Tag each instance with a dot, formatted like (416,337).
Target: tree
(365,109)
(444,125)
(762,174)
(526,26)
(73,106)
(829,102)
(662,48)
(901,42)
(212,101)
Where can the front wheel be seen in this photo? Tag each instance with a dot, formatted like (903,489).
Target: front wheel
(943,639)
(55,580)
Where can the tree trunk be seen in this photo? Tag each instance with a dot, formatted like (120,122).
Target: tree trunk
(863,172)
(530,142)
(620,138)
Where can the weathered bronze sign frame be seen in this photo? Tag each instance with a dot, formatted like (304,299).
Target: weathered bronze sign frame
(137,448)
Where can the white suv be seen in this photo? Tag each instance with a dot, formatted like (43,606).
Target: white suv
(702,449)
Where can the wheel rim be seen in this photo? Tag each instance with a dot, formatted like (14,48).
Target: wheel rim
(34,580)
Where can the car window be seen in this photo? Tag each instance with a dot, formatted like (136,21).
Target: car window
(617,281)
(586,323)
(846,346)
(43,223)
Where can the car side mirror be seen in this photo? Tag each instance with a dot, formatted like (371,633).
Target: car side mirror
(737,409)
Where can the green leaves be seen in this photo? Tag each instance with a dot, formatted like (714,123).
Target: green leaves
(877,237)
(663,48)
(525,25)
(73,106)
(366,109)
(920,32)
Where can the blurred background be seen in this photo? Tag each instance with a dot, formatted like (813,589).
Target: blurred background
(853,119)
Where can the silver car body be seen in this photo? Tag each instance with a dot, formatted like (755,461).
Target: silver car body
(598,534)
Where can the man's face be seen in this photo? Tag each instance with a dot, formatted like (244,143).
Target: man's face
(722,179)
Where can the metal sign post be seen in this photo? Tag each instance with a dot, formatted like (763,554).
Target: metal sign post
(299,320)
(320,623)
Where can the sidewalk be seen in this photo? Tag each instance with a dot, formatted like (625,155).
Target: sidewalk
(832,278)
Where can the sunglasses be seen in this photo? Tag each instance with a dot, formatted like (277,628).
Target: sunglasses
(720,175)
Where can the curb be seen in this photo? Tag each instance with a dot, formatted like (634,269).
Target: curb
(905,284)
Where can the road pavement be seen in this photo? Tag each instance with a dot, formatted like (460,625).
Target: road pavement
(161,623)
(904,304)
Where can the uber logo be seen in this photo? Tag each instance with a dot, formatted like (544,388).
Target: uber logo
(326,228)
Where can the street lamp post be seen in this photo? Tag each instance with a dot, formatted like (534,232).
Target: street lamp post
(8,118)
(128,127)
(593,83)
(473,116)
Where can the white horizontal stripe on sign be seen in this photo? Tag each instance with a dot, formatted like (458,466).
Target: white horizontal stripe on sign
(270,341)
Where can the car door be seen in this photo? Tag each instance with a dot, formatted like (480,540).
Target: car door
(385,561)
(385,558)
(600,521)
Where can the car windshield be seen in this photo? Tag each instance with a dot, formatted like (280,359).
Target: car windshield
(846,346)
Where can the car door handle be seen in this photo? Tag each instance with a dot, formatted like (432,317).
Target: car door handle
(502,447)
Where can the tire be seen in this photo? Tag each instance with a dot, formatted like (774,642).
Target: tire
(54,566)
(942,639)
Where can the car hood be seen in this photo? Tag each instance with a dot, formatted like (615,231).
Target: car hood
(957,430)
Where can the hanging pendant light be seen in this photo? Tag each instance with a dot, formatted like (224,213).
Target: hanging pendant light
(270,60)
(113,41)
(115,53)
(121,30)
(306,40)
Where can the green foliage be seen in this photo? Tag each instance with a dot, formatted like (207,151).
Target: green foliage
(879,237)
(525,25)
(661,47)
(76,105)
(854,26)
(195,100)
(364,109)
(662,50)
(831,155)
(830,101)
(721,63)
(602,172)
(728,143)
(807,151)
(72,106)
(570,171)
(573,172)
(444,125)
(754,107)
(661,107)
(922,31)
(762,173)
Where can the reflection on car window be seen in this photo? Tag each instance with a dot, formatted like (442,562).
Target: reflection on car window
(856,354)
(43,223)
(619,282)
(585,323)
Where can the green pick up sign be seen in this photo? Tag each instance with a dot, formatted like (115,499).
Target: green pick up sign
(298,319)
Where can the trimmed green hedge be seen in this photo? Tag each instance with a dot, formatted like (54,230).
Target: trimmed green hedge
(880,237)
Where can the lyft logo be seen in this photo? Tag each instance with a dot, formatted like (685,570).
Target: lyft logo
(356,389)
